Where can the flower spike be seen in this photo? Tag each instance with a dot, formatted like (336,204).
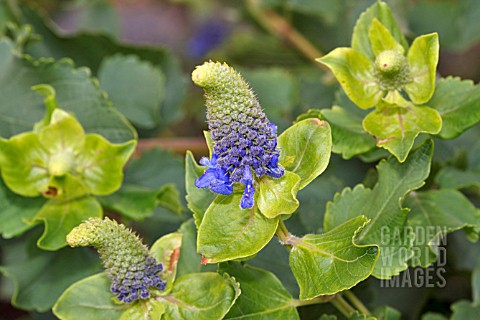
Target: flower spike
(244,140)
(133,271)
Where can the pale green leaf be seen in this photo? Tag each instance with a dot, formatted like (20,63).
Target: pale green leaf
(458,102)
(121,75)
(332,262)
(277,196)
(381,39)
(263,295)
(383,206)
(200,296)
(166,250)
(397,127)
(229,232)
(305,149)
(61,216)
(355,73)
(422,59)
(360,37)
(433,214)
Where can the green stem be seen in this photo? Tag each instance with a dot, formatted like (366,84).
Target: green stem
(282,232)
(342,305)
(356,302)
(321,299)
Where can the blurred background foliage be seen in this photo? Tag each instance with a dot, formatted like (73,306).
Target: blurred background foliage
(141,53)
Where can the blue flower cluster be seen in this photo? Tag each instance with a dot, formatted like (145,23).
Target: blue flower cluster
(244,140)
(135,282)
(130,267)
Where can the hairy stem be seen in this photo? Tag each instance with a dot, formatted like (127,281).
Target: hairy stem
(357,303)
(282,232)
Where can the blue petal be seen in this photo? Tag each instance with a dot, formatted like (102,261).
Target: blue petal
(247,176)
(204,180)
(275,172)
(221,187)
(247,198)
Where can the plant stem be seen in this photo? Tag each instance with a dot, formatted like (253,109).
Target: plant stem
(356,302)
(321,299)
(342,305)
(281,28)
(282,232)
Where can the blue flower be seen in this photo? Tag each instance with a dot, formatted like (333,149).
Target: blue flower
(130,267)
(244,140)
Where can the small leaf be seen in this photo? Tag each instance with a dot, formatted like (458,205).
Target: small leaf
(355,73)
(305,149)
(381,39)
(39,277)
(198,200)
(462,310)
(382,205)
(121,75)
(15,210)
(433,214)
(148,309)
(422,59)
(348,136)
(458,102)
(61,216)
(89,298)
(228,232)
(263,295)
(397,127)
(387,313)
(278,196)
(200,296)
(360,37)
(332,262)
(166,250)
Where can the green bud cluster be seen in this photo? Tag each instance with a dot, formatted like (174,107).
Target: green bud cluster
(392,70)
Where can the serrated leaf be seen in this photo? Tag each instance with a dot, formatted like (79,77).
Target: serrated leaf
(355,73)
(305,149)
(89,298)
(458,102)
(76,92)
(463,309)
(198,200)
(229,232)
(15,210)
(422,59)
(387,313)
(397,127)
(200,296)
(278,196)
(61,216)
(120,75)
(356,315)
(348,136)
(263,295)
(166,250)
(332,262)
(433,214)
(381,39)
(382,205)
(360,37)
(40,277)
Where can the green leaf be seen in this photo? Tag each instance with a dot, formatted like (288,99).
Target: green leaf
(229,232)
(433,214)
(356,315)
(355,73)
(39,277)
(200,296)
(360,37)
(381,39)
(89,298)
(305,149)
(422,59)
(433,316)
(332,262)
(166,250)
(198,200)
(120,75)
(15,210)
(61,216)
(76,92)
(138,202)
(382,205)
(348,136)
(328,10)
(458,102)
(397,127)
(387,313)
(99,16)
(462,310)
(263,295)
(278,196)
(149,309)
(476,283)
